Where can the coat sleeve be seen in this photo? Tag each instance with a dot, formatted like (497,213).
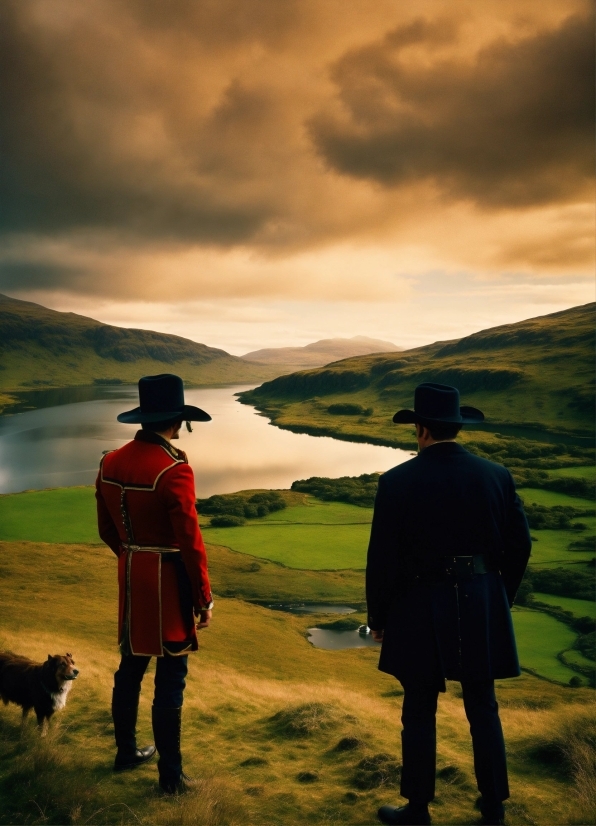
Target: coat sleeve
(382,559)
(178,493)
(518,543)
(105,525)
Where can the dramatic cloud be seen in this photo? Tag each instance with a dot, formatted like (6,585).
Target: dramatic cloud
(291,150)
(511,127)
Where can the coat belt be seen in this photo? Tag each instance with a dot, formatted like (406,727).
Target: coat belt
(157,549)
(453,568)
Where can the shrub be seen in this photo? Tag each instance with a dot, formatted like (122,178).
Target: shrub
(564,582)
(248,507)
(356,490)
(347,409)
(227,521)
(558,517)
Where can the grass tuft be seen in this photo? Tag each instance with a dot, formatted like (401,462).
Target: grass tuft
(375,771)
(348,744)
(305,720)
(307,777)
(452,775)
(212,802)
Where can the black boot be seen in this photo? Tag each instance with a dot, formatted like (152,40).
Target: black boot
(410,815)
(493,812)
(167,723)
(125,724)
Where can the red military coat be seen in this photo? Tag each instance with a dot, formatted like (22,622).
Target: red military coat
(146,514)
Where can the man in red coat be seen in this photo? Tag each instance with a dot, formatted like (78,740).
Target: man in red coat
(146,514)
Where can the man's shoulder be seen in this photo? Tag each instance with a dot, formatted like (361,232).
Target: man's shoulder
(485,465)
(401,471)
(426,462)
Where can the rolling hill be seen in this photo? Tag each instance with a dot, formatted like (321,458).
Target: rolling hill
(536,375)
(41,348)
(322,352)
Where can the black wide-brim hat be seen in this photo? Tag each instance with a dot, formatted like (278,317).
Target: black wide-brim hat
(162,398)
(436,404)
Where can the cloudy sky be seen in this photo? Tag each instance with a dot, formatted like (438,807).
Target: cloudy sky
(257,173)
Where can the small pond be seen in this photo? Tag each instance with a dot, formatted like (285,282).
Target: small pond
(333,640)
(312,608)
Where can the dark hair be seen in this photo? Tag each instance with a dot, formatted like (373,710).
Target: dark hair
(161,427)
(443,431)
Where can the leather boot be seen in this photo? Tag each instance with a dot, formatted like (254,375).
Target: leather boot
(128,755)
(404,815)
(167,724)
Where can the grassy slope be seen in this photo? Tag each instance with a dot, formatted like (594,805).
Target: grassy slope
(538,635)
(252,666)
(295,536)
(537,373)
(578,607)
(44,348)
(313,551)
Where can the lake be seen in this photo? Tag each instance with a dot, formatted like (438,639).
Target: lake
(60,443)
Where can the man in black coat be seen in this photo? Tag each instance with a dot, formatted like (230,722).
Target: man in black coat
(448,549)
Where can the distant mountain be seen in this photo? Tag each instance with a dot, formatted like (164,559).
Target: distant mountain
(42,348)
(321,352)
(538,373)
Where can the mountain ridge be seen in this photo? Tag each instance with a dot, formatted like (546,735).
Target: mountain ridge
(322,352)
(534,373)
(44,348)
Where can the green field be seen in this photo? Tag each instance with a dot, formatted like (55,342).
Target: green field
(314,512)
(58,515)
(551,549)
(313,547)
(550,498)
(314,536)
(538,636)
(586,472)
(578,607)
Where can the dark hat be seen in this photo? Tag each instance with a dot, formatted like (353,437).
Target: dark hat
(434,403)
(162,398)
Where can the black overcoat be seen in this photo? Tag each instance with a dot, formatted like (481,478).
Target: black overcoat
(446,502)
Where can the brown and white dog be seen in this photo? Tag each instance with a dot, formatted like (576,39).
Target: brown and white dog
(41,686)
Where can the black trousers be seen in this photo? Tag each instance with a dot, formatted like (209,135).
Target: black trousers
(170,680)
(419,741)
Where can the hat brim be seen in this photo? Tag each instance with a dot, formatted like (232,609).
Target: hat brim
(467,415)
(188,413)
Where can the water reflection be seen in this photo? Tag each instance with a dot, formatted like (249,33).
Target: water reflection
(313,608)
(336,640)
(61,445)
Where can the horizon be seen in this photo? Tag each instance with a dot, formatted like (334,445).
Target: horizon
(305,171)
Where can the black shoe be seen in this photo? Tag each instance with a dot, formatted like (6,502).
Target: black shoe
(405,815)
(493,814)
(180,785)
(132,759)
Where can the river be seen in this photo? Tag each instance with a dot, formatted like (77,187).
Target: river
(60,443)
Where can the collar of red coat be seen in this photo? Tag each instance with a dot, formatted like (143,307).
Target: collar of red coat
(152,438)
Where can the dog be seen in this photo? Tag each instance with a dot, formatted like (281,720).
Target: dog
(43,687)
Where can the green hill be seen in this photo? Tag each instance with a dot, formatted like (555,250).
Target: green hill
(41,348)
(532,378)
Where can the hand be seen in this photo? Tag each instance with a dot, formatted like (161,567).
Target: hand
(204,619)
(377,635)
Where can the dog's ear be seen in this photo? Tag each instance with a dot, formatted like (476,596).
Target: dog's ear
(50,658)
